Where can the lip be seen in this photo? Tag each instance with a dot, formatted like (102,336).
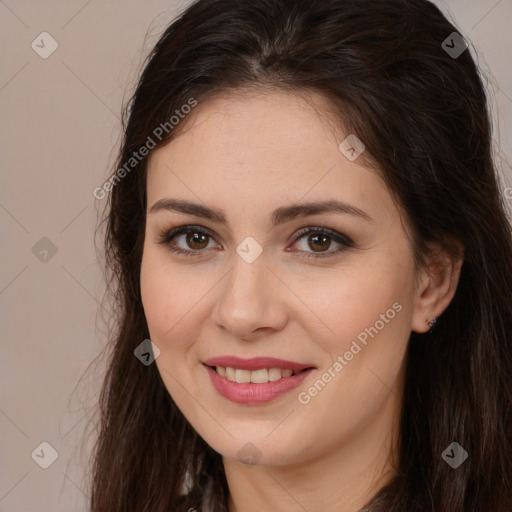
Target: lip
(255,394)
(256,363)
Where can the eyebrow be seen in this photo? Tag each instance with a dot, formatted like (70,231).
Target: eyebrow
(279,216)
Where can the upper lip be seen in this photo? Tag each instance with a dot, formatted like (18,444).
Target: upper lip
(256,363)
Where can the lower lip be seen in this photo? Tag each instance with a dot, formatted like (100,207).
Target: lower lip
(253,394)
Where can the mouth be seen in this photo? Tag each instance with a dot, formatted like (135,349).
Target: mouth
(259,376)
(257,370)
(259,385)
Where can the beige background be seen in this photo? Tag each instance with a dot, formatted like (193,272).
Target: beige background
(59,133)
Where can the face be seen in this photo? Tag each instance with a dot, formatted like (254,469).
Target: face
(332,289)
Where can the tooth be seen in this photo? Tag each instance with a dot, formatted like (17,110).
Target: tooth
(243,376)
(259,376)
(274,374)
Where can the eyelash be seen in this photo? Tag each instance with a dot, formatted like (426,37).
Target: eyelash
(167,237)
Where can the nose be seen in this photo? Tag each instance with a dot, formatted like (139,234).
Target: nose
(251,301)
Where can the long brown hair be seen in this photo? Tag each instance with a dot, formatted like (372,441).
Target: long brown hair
(422,114)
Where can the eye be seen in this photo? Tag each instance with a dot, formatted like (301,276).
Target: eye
(196,239)
(320,239)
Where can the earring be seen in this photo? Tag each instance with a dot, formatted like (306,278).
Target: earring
(432,322)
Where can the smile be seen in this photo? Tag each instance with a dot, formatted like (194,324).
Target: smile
(241,389)
(256,376)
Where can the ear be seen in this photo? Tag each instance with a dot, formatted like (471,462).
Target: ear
(437,283)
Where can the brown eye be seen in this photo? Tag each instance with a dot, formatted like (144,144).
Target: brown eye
(319,242)
(196,240)
(316,242)
(186,240)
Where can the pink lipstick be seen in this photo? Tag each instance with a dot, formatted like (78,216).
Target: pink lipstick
(274,377)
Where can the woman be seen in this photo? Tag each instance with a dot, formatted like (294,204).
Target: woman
(306,223)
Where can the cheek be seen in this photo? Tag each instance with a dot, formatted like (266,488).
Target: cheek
(369,316)
(174,302)
(154,297)
(163,305)
(356,298)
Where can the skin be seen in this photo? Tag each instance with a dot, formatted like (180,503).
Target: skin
(247,154)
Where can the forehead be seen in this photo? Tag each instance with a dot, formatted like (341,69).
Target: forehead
(258,149)
(259,124)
